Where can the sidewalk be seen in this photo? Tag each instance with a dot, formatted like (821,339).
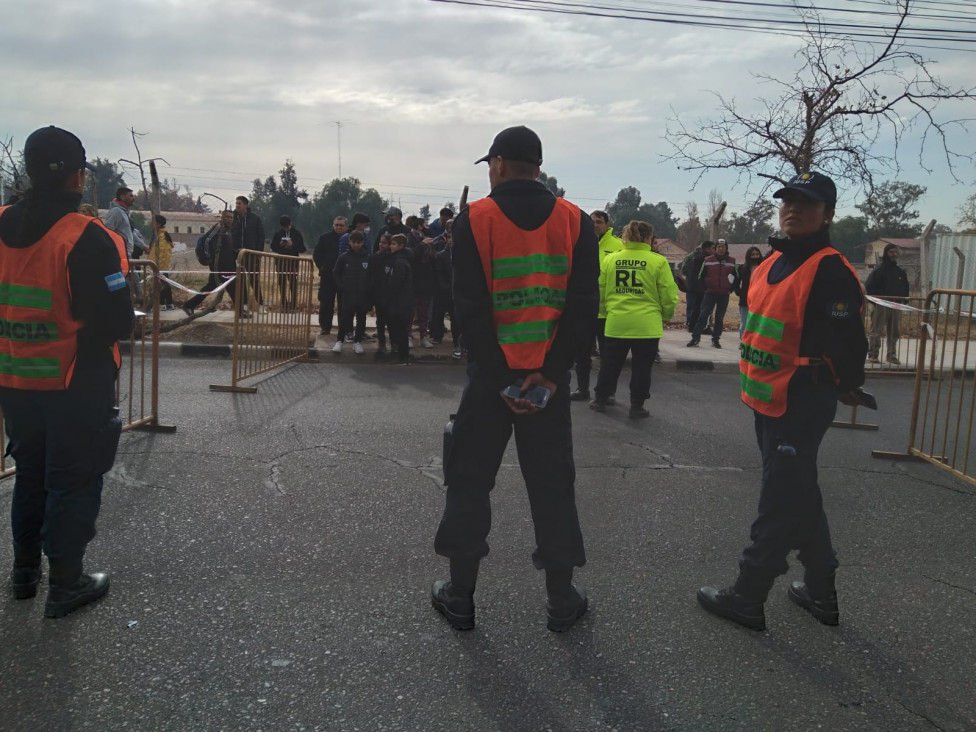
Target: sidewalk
(674,352)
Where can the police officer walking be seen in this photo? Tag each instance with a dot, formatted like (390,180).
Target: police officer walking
(526,297)
(64,303)
(803,349)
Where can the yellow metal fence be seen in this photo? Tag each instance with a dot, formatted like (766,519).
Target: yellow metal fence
(272,315)
(944,398)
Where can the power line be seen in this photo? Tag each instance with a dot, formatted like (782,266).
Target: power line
(756,24)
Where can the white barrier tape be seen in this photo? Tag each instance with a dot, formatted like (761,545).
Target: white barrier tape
(896,305)
(184,288)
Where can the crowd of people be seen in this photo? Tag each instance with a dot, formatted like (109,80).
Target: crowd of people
(407,279)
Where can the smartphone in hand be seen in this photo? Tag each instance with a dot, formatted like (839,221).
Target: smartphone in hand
(537,395)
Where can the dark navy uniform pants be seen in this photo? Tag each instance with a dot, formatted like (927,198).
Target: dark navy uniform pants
(62,443)
(791,514)
(482,429)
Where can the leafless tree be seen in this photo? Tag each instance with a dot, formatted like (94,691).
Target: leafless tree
(847,97)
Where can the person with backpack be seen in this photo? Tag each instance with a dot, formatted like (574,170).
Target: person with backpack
(218,253)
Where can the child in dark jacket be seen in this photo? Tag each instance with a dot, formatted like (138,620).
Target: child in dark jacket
(352,278)
(380,268)
(400,298)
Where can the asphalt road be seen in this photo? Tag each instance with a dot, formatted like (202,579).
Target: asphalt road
(271,563)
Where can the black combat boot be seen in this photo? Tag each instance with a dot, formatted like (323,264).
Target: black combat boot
(741,603)
(454,599)
(565,603)
(582,393)
(71,588)
(818,596)
(26,572)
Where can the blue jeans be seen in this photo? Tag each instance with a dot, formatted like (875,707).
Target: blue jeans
(709,301)
(62,442)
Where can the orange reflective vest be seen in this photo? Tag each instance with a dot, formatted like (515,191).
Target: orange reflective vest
(527,273)
(770,350)
(38,333)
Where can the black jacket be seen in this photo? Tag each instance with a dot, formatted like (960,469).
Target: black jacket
(380,269)
(107,314)
(352,278)
(399,286)
(248,232)
(424,276)
(528,204)
(887,280)
(326,253)
(691,269)
(297,243)
(220,248)
(444,271)
(832,324)
(741,283)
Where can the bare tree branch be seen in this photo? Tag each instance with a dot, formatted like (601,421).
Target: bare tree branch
(833,114)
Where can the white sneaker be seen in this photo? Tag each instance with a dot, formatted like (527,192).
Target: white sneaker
(337,348)
(358,348)
(410,341)
(426,343)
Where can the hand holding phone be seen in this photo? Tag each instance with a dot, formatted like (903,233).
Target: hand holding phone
(538,395)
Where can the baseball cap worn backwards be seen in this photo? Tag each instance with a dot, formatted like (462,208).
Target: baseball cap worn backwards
(515,143)
(812,185)
(51,154)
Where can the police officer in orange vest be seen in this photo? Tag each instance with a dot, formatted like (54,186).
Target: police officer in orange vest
(526,297)
(64,303)
(803,348)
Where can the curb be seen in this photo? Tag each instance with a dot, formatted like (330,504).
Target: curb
(169,349)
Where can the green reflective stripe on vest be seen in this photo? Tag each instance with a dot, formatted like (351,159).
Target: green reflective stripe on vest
(755,389)
(758,358)
(29,368)
(768,327)
(25,297)
(529,297)
(557,264)
(32,332)
(539,330)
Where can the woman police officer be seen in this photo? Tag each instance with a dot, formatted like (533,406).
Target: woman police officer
(803,349)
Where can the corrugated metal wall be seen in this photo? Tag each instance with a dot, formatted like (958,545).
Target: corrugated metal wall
(944,263)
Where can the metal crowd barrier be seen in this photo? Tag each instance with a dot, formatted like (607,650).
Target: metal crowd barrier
(274,330)
(907,324)
(138,402)
(944,400)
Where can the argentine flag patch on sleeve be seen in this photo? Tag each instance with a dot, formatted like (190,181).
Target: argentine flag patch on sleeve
(115,281)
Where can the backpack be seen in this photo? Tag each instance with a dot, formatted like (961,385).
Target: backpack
(204,257)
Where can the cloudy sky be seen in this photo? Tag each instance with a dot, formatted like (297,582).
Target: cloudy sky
(228,89)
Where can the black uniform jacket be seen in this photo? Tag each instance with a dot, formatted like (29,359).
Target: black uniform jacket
(528,204)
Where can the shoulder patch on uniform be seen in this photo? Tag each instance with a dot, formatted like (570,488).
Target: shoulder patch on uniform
(115,281)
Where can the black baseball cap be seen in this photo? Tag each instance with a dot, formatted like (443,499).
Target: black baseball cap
(51,154)
(393,211)
(812,185)
(515,143)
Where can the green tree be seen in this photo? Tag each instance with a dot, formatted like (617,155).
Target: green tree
(550,182)
(628,207)
(889,211)
(272,199)
(339,197)
(754,225)
(172,197)
(425,212)
(849,235)
(967,215)
(690,232)
(108,179)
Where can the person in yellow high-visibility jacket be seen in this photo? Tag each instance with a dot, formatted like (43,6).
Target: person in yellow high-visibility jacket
(637,293)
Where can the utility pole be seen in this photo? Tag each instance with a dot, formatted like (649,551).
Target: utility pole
(338,125)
